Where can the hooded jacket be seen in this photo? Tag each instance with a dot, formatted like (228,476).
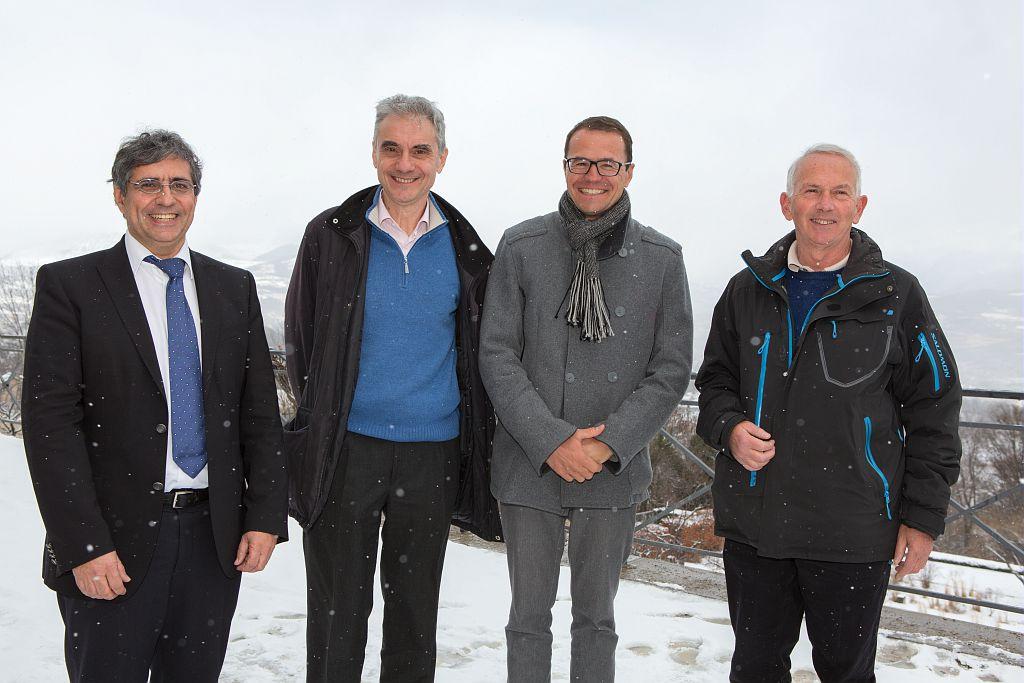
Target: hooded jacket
(862,398)
(323,333)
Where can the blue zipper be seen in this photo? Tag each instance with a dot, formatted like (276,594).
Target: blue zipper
(835,330)
(931,357)
(763,352)
(874,465)
(789,314)
(842,286)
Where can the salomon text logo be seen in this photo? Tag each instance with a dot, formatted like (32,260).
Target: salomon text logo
(942,356)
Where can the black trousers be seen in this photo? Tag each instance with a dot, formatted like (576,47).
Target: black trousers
(768,598)
(413,486)
(174,628)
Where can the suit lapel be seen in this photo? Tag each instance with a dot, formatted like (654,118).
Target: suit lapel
(206,292)
(116,273)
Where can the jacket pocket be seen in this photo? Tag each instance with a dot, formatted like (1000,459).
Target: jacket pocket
(926,350)
(874,466)
(762,351)
(855,351)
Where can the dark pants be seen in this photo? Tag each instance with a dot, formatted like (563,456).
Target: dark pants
(413,485)
(768,598)
(175,627)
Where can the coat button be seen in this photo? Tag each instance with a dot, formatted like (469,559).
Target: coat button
(889,288)
(334,220)
(623,252)
(158,486)
(161,428)
(620,311)
(613,377)
(569,377)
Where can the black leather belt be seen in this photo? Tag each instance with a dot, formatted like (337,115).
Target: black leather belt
(183,498)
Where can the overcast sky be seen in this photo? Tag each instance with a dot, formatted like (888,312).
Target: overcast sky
(278,99)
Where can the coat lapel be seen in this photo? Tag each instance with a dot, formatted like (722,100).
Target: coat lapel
(116,273)
(209,320)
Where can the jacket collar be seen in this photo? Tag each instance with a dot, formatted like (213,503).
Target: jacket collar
(349,219)
(615,239)
(770,269)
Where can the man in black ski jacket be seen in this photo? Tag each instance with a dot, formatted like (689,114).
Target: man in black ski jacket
(832,394)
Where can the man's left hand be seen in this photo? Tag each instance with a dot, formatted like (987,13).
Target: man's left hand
(254,551)
(912,550)
(597,450)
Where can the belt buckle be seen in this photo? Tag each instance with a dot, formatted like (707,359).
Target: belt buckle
(184,494)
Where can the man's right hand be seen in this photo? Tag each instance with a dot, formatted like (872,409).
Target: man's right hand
(751,446)
(569,460)
(102,578)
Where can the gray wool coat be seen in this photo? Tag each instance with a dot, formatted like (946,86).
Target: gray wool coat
(545,382)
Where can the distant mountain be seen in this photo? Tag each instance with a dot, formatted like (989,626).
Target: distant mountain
(981,313)
(983,316)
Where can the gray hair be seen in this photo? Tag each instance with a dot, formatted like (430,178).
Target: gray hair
(823,148)
(411,105)
(150,147)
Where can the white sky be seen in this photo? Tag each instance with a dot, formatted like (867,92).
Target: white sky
(278,98)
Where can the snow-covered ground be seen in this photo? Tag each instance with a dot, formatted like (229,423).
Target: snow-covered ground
(665,635)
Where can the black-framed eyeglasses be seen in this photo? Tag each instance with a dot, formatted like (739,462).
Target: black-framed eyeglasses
(605,167)
(154,186)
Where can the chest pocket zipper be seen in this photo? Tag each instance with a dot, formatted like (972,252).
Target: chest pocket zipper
(874,465)
(763,352)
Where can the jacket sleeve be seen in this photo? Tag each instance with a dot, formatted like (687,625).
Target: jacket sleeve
(637,419)
(718,379)
(266,493)
(517,404)
(300,310)
(926,385)
(52,417)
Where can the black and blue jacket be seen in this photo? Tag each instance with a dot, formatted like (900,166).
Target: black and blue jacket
(862,398)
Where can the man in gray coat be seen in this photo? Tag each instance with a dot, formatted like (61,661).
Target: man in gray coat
(585,351)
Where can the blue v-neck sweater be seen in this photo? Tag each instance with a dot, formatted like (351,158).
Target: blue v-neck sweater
(407,389)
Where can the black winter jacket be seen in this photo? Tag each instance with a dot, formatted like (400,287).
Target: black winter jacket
(862,399)
(323,333)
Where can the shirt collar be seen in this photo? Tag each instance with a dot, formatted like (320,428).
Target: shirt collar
(137,253)
(384,216)
(796,266)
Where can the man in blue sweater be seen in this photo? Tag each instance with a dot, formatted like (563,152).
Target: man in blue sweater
(381,322)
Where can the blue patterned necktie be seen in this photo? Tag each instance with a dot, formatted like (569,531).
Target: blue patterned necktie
(188,424)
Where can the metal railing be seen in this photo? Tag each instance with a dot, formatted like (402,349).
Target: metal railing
(10,384)
(1014,550)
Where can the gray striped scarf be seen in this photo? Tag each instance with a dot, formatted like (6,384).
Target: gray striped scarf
(587,308)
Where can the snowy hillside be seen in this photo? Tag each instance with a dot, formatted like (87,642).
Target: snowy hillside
(665,635)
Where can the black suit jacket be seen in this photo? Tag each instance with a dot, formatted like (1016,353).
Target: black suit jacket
(95,416)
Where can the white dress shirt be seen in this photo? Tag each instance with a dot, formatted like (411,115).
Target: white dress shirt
(152,284)
(428,221)
(796,266)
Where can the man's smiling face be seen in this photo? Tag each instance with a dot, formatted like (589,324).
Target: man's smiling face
(823,206)
(594,194)
(407,160)
(158,221)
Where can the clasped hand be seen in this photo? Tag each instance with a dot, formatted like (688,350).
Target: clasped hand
(581,456)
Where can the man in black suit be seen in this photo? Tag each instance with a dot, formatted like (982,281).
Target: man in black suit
(152,434)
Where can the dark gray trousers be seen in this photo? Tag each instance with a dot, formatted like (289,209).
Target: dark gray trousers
(599,543)
(413,487)
(174,628)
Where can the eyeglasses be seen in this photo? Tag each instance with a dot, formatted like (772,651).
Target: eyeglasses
(154,186)
(605,167)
